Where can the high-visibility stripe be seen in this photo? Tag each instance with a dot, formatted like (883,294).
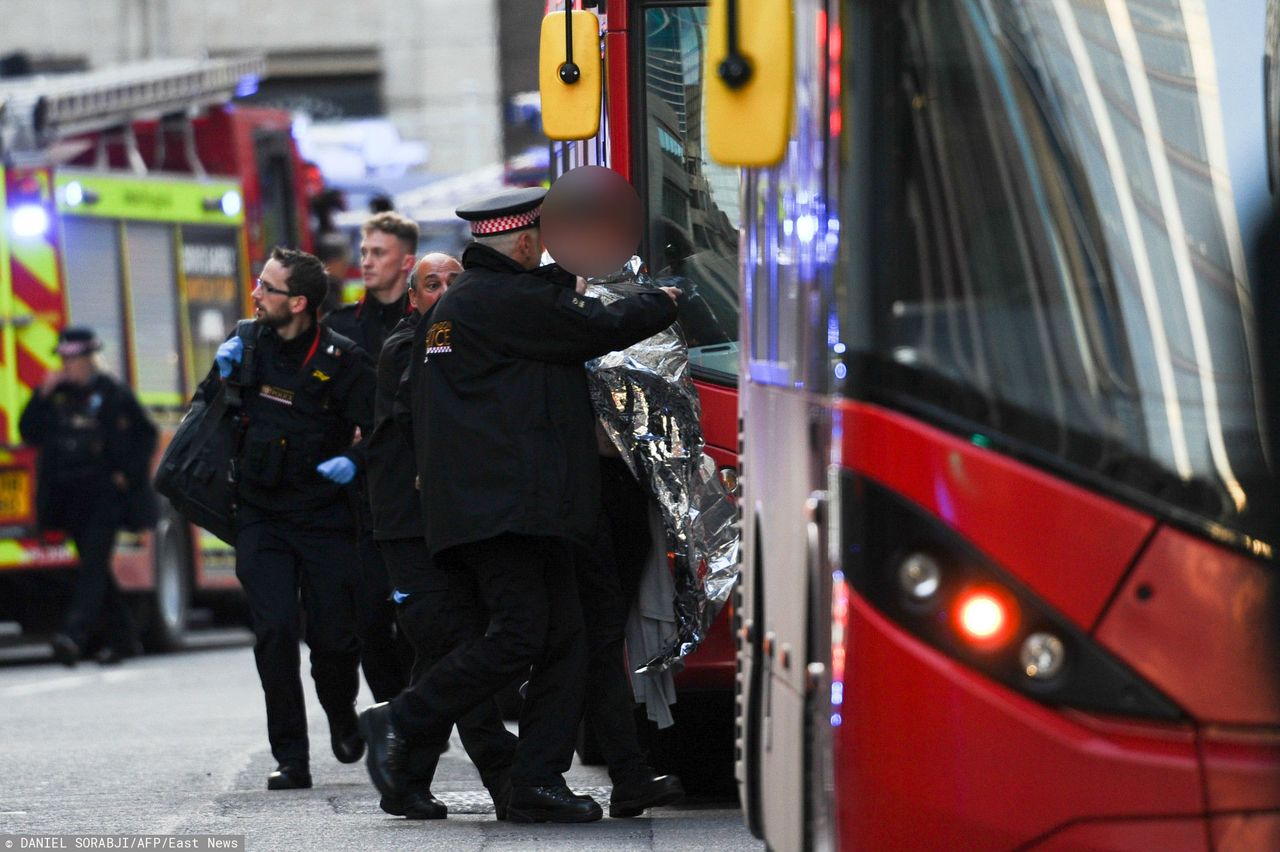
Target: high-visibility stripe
(15,553)
(7,424)
(32,288)
(36,262)
(31,300)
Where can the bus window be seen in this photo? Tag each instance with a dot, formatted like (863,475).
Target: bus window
(1037,273)
(153,310)
(92,257)
(694,216)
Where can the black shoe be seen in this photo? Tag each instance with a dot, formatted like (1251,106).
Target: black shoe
(498,783)
(634,796)
(111,655)
(388,750)
(419,805)
(65,649)
(551,804)
(290,776)
(344,736)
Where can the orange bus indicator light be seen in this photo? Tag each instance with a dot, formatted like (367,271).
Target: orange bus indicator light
(985,618)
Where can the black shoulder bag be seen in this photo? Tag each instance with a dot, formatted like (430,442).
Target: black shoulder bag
(198,470)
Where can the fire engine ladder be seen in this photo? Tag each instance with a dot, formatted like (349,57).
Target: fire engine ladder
(37,114)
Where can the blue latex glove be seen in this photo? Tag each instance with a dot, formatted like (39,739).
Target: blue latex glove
(229,353)
(339,469)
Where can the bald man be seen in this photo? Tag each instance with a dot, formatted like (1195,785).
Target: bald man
(432,616)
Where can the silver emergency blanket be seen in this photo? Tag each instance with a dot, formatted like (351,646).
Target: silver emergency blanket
(647,405)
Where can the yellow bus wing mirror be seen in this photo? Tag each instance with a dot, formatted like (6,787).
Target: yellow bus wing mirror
(749,72)
(569,75)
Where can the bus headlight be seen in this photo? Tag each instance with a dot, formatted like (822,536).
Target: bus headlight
(1042,656)
(919,576)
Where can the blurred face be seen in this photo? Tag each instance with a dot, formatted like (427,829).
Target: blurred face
(384,264)
(272,304)
(432,276)
(78,369)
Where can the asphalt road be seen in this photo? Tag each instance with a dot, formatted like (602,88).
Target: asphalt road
(176,745)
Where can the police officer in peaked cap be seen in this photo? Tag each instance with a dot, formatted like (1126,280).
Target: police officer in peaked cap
(95,444)
(504,436)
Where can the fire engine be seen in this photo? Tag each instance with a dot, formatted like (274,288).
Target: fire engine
(141,201)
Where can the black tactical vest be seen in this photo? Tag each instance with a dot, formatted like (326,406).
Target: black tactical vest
(293,425)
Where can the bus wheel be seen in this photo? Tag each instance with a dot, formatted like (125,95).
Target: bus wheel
(172,600)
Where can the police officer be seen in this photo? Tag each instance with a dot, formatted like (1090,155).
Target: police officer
(387,245)
(433,619)
(95,448)
(505,443)
(309,390)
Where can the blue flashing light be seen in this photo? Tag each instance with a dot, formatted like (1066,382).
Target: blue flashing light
(839,348)
(836,720)
(837,693)
(841,371)
(806,227)
(232,203)
(247,85)
(29,221)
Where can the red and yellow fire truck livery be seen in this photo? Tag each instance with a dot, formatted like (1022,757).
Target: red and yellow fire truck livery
(139,201)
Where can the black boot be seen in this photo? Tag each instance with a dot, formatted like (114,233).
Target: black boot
(388,750)
(290,776)
(65,649)
(344,736)
(551,804)
(416,805)
(634,795)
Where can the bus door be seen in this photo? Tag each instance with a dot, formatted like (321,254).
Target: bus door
(787,407)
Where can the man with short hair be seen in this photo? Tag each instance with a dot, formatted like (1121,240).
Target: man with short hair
(387,244)
(306,391)
(504,435)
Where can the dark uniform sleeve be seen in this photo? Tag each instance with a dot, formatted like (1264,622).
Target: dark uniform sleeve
(37,420)
(547,322)
(354,394)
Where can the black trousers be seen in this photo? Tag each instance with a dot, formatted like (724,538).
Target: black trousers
(385,655)
(435,622)
(608,576)
(277,563)
(527,585)
(92,514)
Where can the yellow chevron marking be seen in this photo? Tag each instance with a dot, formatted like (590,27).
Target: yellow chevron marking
(40,260)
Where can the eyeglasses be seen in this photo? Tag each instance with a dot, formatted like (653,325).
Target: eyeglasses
(276,290)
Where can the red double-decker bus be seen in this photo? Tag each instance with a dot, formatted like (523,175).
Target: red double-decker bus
(1009,497)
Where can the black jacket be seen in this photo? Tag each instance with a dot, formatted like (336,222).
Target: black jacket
(303,405)
(503,427)
(391,471)
(368,322)
(86,434)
